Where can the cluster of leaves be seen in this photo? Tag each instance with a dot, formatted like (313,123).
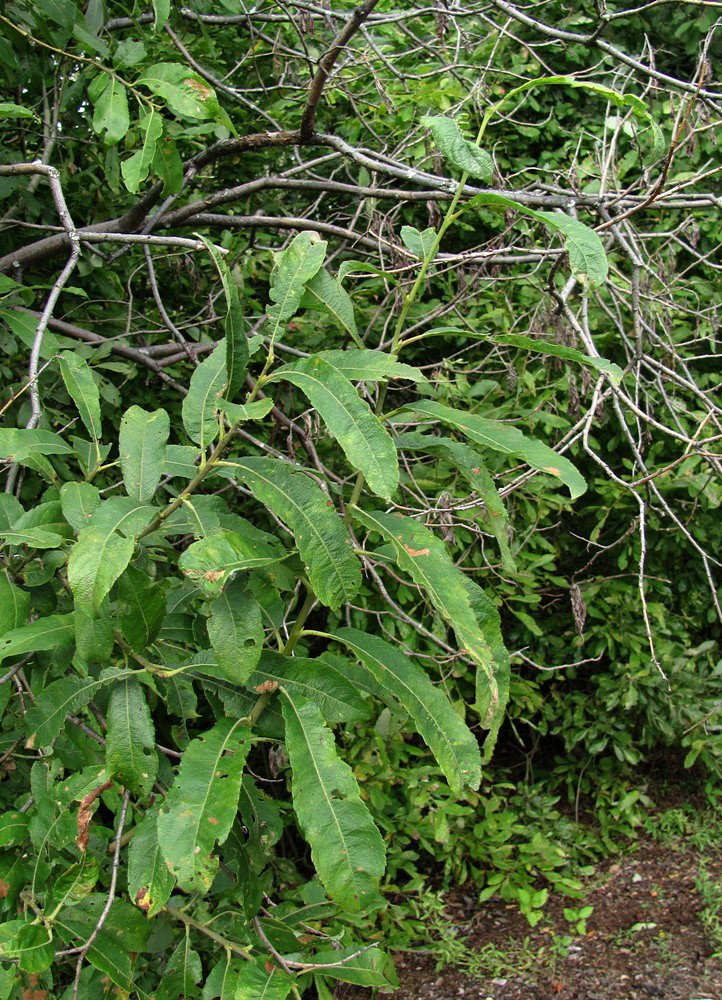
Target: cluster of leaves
(221,695)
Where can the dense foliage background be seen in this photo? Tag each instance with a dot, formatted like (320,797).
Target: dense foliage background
(451,480)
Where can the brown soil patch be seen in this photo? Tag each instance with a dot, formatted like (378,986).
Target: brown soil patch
(644,941)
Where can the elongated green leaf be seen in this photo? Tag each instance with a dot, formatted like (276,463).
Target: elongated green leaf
(111,114)
(322,540)
(587,256)
(10,509)
(184,92)
(9,110)
(142,608)
(236,631)
(319,682)
(130,752)
(14,605)
(261,980)
(366,444)
(294,267)
(419,243)
(373,968)
(346,847)
(488,619)
(17,443)
(168,165)
(78,501)
(45,633)
(453,745)
(327,294)
(256,410)
(46,718)
(614,372)
(471,466)
(212,560)
(161,10)
(208,382)
(82,390)
(424,556)
(35,538)
(202,802)
(141,444)
(135,169)
(13,828)
(365,365)
(461,153)
(149,881)
(182,974)
(508,440)
(235,325)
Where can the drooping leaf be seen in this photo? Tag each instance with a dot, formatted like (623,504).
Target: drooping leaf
(425,558)
(45,633)
(261,979)
(82,390)
(452,743)
(208,382)
(142,608)
(202,802)
(366,444)
(111,114)
(614,372)
(135,169)
(185,93)
(508,440)
(182,974)
(487,617)
(46,717)
(346,847)
(235,325)
(130,752)
(141,445)
(35,949)
(419,243)
(461,153)
(293,268)
(236,631)
(373,968)
(323,543)
(365,365)
(161,10)
(149,881)
(587,257)
(327,294)
(10,110)
(168,164)
(212,560)
(472,468)
(78,501)
(319,682)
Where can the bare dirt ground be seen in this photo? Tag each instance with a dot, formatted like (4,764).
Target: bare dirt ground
(644,940)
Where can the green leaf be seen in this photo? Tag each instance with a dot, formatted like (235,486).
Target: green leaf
(200,405)
(149,881)
(365,365)
(181,975)
(184,92)
(418,243)
(9,110)
(451,742)
(293,268)
(141,445)
(319,682)
(78,502)
(17,444)
(587,257)
(46,718)
(82,390)
(323,542)
(346,847)
(168,165)
(237,412)
(36,538)
(261,980)
(34,950)
(470,464)
(489,622)
(373,968)
(326,294)
(161,10)
(235,326)
(14,605)
(212,560)
(349,419)
(461,153)
(425,558)
(614,372)
(236,631)
(13,828)
(111,108)
(45,633)
(508,440)
(104,549)
(135,169)
(142,608)
(202,802)
(130,752)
